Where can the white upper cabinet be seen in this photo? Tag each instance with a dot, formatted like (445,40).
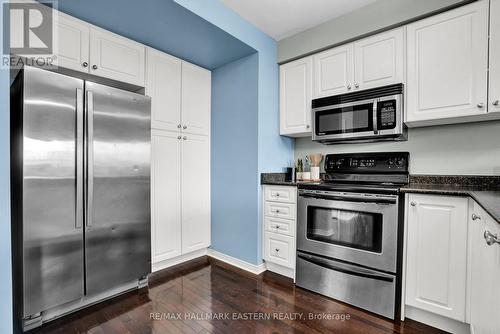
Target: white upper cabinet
(494,92)
(485,273)
(437,254)
(447,64)
(73,43)
(116,57)
(166,225)
(379,59)
(333,71)
(295,97)
(196,99)
(163,85)
(195,160)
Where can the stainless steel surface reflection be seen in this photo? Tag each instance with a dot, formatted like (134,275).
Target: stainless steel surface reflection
(118,227)
(80,161)
(52,245)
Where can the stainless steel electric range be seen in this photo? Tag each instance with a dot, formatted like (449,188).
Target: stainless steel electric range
(349,231)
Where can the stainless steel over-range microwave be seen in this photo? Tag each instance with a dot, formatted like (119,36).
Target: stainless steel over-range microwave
(368,115)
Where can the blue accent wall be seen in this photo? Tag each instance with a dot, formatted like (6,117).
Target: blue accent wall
(5,255)
(163,25)
(273,151)
(234,158)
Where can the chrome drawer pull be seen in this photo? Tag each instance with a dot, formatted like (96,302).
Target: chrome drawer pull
(491,238)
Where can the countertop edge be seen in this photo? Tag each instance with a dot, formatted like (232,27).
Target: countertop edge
(456,192)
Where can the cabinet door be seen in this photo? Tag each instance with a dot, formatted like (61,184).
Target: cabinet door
(279,249)
(485,272)
(494,92)
(195,192)
(447,64)
(163,84)
(73,43)
(379,60)
(437,254)
(295,97)
(165,195)
(333,71)
(196,91)
(116,57)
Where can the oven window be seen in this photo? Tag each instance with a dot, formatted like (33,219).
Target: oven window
(345,120)
(361,230)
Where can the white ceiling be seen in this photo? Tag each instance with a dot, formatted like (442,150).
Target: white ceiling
(283,18)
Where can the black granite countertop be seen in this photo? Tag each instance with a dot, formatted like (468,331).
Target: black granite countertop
(485,190)
(278,179)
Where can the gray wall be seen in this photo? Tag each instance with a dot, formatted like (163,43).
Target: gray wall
(463,149)
(369,19)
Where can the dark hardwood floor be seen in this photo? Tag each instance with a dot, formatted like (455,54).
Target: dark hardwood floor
(206,288)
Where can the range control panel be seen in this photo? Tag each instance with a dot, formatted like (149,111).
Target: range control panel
(393,162)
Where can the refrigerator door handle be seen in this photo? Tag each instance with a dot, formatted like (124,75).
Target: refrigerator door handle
(90,157)
(79,158)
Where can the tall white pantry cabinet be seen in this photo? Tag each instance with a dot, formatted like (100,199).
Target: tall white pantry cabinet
(180,157)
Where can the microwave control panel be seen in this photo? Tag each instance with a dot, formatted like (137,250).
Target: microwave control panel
(386,114)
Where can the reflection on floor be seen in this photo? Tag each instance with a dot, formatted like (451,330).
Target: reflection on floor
(208,296)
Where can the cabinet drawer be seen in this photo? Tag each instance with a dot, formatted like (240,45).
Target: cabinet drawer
(280,194)
(281,226)
(279,249)
(280,210)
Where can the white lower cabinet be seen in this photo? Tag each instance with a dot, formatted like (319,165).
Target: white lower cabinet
(437,254)
(452,264)
(279,226)
(485,273)
(279,249)
(180,195)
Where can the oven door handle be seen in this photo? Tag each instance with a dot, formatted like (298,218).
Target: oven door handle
(346,269)
(353,198)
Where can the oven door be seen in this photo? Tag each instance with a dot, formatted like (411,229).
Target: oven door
(353,120)
(356,228)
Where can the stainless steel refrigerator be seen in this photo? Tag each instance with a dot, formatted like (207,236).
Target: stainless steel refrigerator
(80,193)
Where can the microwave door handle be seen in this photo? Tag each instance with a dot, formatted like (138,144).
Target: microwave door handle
(375,117)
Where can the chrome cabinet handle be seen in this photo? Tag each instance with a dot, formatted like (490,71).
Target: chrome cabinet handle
(179,137)
(94,67)
(475,217)
(185,127)
(413,203)
(85,64)
(349,87)
(277,227)
(184,138)
(178,126)
(356,85)
(480,105)
(277,194)
(308,126)
(491,238)
(277,211)
(496,102)
(277,250)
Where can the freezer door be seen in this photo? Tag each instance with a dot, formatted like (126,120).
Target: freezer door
(117,237)
(52,229)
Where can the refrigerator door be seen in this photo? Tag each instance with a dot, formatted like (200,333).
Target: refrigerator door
(117,237)
(52,194)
